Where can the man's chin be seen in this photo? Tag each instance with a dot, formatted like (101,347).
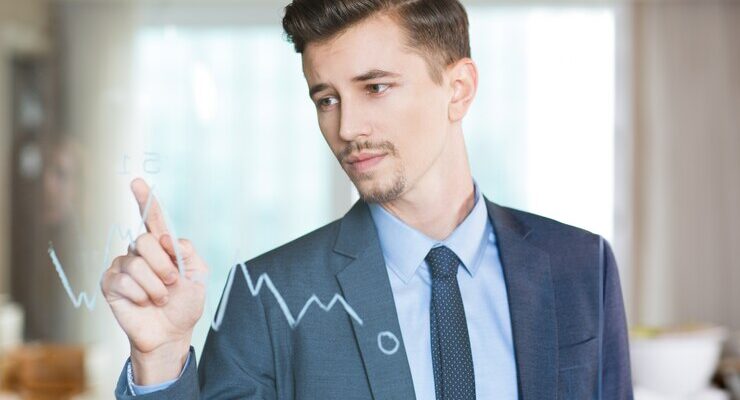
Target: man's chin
(373,192)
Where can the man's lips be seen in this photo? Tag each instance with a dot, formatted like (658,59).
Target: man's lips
(362,157)
(364,161)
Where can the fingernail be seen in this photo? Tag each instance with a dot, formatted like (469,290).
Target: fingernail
(163,300)
(171,278)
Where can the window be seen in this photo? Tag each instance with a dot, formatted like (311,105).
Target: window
(244,167)
(540,132)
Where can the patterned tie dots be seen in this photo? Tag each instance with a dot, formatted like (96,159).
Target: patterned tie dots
(451,356)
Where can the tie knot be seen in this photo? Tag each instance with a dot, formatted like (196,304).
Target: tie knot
(442,262)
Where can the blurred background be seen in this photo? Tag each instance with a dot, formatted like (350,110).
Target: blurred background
(619,117)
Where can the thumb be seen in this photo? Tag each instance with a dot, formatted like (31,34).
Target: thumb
(184,248)
(194,270)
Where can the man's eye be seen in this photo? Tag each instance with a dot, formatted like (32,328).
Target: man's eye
(378,87)
(327,101)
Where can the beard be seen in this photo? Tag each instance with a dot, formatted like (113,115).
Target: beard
(371,187)
(381,192)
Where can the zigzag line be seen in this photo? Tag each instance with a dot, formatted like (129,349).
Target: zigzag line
(264,279)
(83,297)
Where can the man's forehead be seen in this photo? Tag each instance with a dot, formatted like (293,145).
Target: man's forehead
(377,43)
(337,69)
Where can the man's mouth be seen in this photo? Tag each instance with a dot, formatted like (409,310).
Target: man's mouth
(364,161)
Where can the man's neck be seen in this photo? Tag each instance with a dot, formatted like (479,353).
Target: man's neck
(439,201)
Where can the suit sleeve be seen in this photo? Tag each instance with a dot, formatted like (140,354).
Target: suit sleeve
(616,374)
(237,359)
(185,388)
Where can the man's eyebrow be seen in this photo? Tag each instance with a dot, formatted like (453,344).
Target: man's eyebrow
(371,74)
(317,88)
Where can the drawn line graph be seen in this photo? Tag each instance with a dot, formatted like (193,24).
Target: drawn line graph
(83,298)
(265,280)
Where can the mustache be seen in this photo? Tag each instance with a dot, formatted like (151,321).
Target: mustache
(356,147)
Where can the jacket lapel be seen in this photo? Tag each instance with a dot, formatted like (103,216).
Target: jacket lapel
(531,305)
(366,287)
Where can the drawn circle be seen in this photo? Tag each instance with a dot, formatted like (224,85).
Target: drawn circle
(391,336)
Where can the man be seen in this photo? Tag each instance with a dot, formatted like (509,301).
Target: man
(447,295)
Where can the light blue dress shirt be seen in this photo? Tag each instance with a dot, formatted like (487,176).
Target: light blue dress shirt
(483,292)
(136,390)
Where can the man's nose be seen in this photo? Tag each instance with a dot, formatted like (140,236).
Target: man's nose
(353,122)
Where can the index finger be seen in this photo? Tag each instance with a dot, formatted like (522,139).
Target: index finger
(153,217)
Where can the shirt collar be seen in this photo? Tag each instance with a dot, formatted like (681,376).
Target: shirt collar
(404,247)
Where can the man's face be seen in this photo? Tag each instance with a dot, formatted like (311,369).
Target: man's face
(375,98)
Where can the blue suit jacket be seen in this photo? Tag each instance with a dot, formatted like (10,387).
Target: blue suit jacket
(567,316)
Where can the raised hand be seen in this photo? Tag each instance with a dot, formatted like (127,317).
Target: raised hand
(156,306)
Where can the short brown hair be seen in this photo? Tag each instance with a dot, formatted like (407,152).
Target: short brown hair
(437,29)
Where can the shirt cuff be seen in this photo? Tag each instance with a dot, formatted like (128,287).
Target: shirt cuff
(136,390)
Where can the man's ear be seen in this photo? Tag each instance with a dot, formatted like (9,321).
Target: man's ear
(463,78)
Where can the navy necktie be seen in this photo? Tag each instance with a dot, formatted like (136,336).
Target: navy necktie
(451,356)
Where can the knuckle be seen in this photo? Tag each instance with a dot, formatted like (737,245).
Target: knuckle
(128,287)
(136,295)
(154,285)
(123,282)
(136,265)
(144,239)
(116,263)
(127,265)
(157,295)
(116,286)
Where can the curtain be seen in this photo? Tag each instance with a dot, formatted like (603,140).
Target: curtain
(686,109)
